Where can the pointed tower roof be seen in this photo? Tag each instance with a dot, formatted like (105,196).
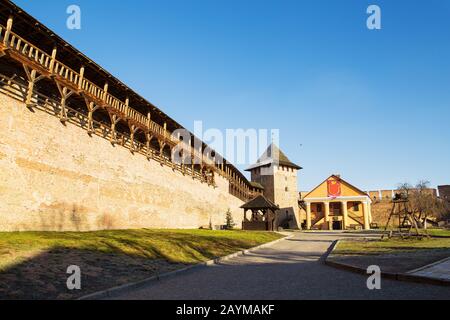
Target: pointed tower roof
(274,155)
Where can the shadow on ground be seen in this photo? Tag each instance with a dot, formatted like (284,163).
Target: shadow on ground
(35,263)
(44,276)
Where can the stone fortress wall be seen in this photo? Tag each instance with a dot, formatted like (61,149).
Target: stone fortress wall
(57,177)
(388,195)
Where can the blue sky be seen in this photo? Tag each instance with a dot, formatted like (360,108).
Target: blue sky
(373,106)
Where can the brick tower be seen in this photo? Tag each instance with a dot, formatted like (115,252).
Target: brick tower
(278,175)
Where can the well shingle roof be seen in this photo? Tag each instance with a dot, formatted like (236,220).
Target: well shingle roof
(260,202)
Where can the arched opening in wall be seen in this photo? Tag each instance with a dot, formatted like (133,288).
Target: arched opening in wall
(154,145)
(102,122)
(197,169)
(210,176)
(140,139)
(78,110)
(48,88)
(187,160)
(123,133)
(177,156)
(167,153)
(12,69)
(13,78)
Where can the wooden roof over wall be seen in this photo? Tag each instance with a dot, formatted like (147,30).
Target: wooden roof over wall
(37,33)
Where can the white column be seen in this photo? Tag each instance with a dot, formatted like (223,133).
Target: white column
(344,215)
(366,216)
(327,215)
(308,216)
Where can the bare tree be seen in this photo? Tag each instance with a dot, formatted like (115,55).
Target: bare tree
(404,189)
(424,204)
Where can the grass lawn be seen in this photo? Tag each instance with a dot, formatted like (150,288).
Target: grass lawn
(391,246)
(33,264)
(392,255)
(439,232)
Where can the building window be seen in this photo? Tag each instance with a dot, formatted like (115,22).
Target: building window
(356,207)
(286,189)
(319,207)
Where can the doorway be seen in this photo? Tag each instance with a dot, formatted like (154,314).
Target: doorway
(337,225)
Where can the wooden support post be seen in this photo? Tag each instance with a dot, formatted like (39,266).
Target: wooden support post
(53,60)
(9,25)
(31,82)
(162,144)
(65,94)
(149,153)
(80,81)
(33,78)
(133,130)
(183,168)
(171,160)
(193,164)
(127,107)
(91,109)
(114,120)
(105,91)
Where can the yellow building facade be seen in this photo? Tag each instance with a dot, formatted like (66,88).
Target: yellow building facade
(337,205)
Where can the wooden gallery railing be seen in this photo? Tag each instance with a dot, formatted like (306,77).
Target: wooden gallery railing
(39,64)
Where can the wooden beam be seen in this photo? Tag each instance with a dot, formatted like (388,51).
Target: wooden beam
(133,130)
(9,25)
(33,78)
(80,80)
(65,94)
(105,91)
(53,60)
(92,107)
(149,138)
(114,120)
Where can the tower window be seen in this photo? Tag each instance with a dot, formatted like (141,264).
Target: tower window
(286,189)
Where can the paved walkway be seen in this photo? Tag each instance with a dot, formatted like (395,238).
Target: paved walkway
(438,271)
(291,269)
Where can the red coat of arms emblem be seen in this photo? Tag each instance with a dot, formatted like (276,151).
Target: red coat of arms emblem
(334,188)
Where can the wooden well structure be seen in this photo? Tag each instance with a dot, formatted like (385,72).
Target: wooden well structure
(263,214)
